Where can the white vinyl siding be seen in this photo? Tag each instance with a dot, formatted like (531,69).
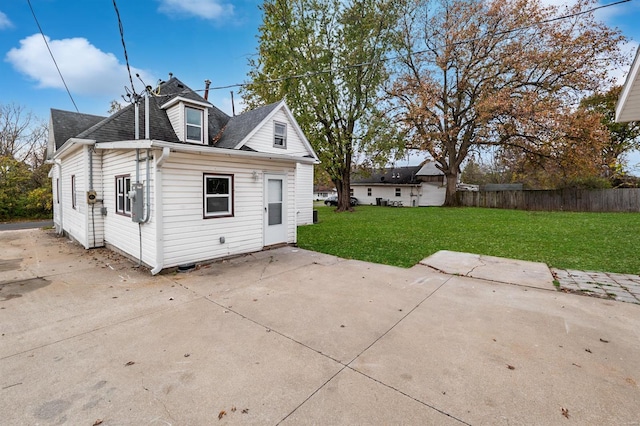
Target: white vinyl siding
(425,194)
(120,231)
(263,139)
(188,237)
(304,193)
(74,219)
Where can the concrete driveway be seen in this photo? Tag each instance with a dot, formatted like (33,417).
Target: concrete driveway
(296,337)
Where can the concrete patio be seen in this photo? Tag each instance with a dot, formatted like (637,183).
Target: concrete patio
(296,337)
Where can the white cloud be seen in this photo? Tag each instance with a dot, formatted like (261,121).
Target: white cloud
(86,69)
(206,9)
(4,21)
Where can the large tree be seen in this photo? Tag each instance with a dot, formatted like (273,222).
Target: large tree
(496,72)
(326,57)
(622,137)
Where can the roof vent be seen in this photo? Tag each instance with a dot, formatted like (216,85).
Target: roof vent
(381,178)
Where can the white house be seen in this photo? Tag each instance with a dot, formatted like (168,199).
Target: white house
(176,181)
(415,186)
(628,106)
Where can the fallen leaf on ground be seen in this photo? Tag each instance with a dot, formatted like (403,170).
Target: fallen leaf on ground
(511,367)
(129,363)
(565,412)
(97,422)
(604,341)
(245,411)
(221,414)
(588,350)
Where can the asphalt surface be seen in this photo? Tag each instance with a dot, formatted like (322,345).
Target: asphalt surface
(14,226)
(290,336)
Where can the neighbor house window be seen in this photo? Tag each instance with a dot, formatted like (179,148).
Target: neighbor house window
(398,192)
(73,191)
(193,120)
(368,192)
(123,202)
(218,195)
(351,191)
(280,135)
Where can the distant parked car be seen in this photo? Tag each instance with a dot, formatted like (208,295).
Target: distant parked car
(333,201)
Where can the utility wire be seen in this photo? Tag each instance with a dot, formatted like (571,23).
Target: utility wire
(52,57)
(391,58)
(124,46)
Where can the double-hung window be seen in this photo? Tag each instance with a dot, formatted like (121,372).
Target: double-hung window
(218,195)
(279,135)
(368,192)
(123,202)
(73,191)
(398,192)
(193,120)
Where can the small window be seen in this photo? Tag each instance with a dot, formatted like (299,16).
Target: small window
(398,192)
(368,192)
(193,120)
(123,202)
(280,135)
(351,191)
(218,195)
(73,191)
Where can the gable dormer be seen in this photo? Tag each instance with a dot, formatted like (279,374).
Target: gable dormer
(189,119)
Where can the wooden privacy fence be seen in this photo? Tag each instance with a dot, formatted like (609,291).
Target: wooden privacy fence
(576,200)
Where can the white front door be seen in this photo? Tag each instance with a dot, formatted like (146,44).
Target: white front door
(275,209)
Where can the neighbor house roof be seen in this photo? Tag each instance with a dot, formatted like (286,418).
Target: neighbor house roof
(389,176)
(628,106)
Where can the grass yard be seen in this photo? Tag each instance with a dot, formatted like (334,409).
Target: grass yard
(608,242)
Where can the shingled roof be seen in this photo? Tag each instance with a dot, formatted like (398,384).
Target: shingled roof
(241,125)
(70,124)
(390,176)
(224,131)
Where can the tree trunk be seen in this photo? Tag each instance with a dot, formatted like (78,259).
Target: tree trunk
(450,199)
(344,192)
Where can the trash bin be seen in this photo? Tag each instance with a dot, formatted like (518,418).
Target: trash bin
(315,216)
(378,201)
(384,203)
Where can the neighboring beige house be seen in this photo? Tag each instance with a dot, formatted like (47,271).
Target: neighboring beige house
(195,185)
(407,186)
(628,106)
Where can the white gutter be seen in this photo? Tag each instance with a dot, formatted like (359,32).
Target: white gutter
(158,211)
(205,149)
(70,144)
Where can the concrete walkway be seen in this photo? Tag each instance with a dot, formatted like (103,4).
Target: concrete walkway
(294,337)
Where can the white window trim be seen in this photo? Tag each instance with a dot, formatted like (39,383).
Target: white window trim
(186,124)
(126,208)
(205,196)
(275,135)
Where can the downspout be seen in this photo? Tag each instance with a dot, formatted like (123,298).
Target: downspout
(166,151)
(93,218)
(58,162)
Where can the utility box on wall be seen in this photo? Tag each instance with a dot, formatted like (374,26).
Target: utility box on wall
(137,202)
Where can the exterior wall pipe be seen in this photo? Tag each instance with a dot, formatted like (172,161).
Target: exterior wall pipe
(166,151)
(60,231)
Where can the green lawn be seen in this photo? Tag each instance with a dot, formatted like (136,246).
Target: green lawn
(607,242)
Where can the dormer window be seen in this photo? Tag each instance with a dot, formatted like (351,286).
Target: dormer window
(279,135)
(193,122)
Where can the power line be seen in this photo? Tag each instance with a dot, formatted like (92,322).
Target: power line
(124,46)
(391,58)
(52,57)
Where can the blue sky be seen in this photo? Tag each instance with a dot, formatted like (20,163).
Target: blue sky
(194,39)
